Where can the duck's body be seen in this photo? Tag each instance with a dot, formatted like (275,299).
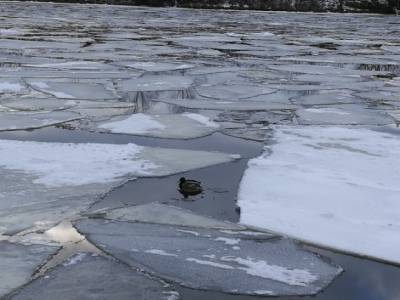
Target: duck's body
(189,187)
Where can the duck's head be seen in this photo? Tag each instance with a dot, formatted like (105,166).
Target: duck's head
(182,180)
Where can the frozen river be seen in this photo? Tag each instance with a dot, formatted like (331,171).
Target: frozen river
(289,120)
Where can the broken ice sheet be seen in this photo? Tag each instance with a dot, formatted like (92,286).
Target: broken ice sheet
(73,65)
(165,214)
(19,262)
(178,126)
(203,258)
(332,97)
(25,120)
(11,86)
(156,66)
(62,179)
(157,83)
(38,104)
(73,90)
(248,105)
(343,189)
(85,276)
(342,115)
(232,92)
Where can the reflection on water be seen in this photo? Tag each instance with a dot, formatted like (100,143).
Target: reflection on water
(64,233)
(71,241)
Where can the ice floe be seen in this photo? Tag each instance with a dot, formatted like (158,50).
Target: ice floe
(94,277)
(166,214)
(344,115)
(157,66)
(72,90)
(28,120)
(19,262)
(202,260)
(332,186)
(183,126)
(11,86)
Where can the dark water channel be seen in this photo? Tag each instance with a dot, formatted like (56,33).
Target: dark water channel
(363,279)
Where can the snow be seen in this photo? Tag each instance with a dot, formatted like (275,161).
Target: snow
(6,86)
(332,186)
(201,119)
(184,126)
(278,273)
(58,164)
(159,252)
(77,258)
(135,124)
(209,263)
(228,241)
(195,233)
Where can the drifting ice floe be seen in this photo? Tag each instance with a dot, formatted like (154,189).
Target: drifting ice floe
(200,258)
(232,92)
(178,126)
(19,262)
(38,104)
(61,179)
(166,214)
(157,83)
(21,121)
(344,115)
(93,277)
(11,86)
(332,186)
(157,66)
(72,90)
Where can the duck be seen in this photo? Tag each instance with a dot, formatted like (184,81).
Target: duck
(189,187)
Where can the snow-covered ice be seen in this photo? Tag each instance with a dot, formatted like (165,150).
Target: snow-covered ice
(331,186)
(183,126)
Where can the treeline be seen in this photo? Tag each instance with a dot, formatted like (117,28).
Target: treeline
(377,6)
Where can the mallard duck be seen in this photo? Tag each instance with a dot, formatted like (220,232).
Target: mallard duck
(188,187)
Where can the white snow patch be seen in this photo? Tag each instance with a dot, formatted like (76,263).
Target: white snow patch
(201,119)
(159,252)
(228,241)
(209,263)
(278,273)
(6,86)
(171,295)
(75,259)
(189,231)
(333,186)
(245,232)
(328,110)
(59,164)
(135,124)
